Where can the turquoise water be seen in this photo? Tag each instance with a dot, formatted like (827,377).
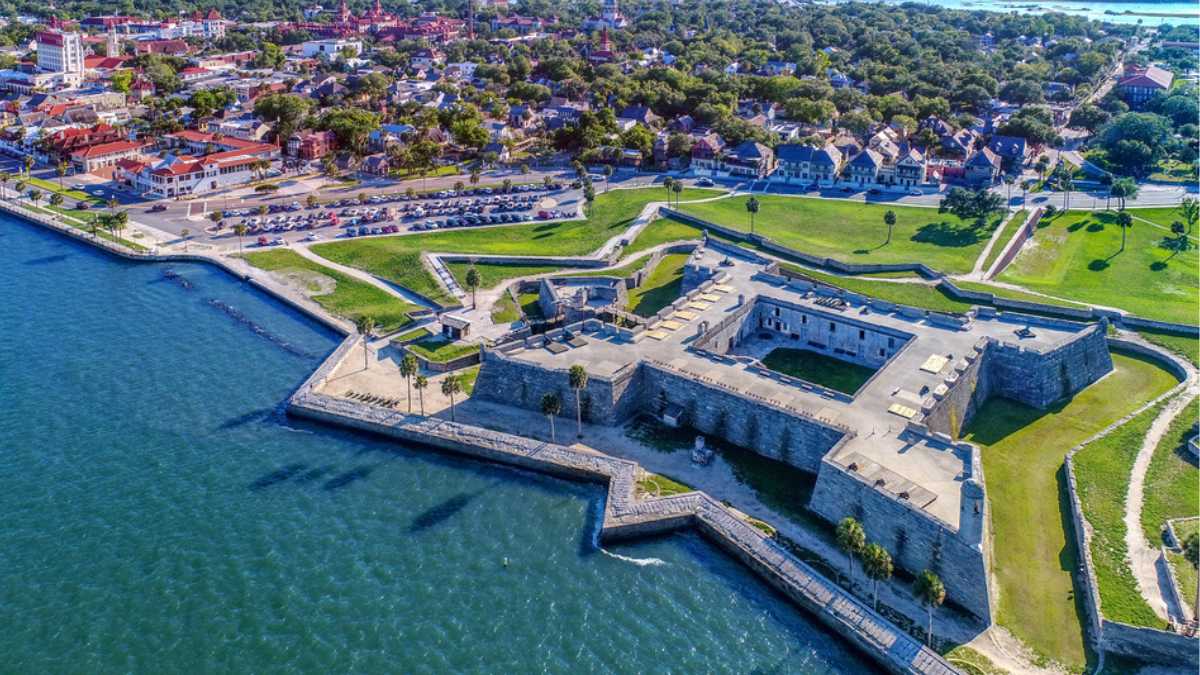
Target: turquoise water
(160,515)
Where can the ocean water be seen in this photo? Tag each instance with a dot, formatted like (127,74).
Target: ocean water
(161,515)
(1115,11)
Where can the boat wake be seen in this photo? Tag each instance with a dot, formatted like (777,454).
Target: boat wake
(598,519)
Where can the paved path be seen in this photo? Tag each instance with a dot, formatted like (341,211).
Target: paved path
(977,272)
(1144,555)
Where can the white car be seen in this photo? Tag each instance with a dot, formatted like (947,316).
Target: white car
(313,237)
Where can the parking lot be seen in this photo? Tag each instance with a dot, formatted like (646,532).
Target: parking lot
(393,213)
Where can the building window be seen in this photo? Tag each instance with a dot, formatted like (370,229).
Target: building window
(832,327)
(862,335)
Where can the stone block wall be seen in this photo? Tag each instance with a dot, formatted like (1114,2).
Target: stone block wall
(1039,378)
(835,335)
(966,389)
(741,421)
(1150,645)
(916,540)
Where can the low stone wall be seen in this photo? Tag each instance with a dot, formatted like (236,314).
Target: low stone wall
(1014,246)
(1143,644)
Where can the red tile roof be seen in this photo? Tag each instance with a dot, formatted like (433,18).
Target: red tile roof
(105,149)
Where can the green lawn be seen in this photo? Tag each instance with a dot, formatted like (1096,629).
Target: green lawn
(818,368)
(349,297)
(398,258)
(1077,256)
(492,275)
(52,186)
(468,377)
(854,231)
(505,310)
(660,486)
(1011,294)
(412,335)
(1185,574)
(1102,471)
(1172,480)
(81,220)
(1010,227)
(440,350)
(662,231)
(924,296)
(530,305)
(661,287)
(1023,450)
(1187,347)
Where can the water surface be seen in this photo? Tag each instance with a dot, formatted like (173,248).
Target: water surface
(161,514)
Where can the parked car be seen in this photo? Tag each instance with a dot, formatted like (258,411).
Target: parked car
(704,182)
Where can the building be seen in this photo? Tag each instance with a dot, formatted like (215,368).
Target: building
(807,165)
(610,17)
(1012,149)
(105,154)
(331,48)
(181,175)
(311,145)
(864,169)
(982,169)
(62,53)
(1139,85)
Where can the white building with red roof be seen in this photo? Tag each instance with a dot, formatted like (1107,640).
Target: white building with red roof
(1141,84)
(99,156)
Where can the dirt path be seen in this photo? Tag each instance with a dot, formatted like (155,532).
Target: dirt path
(1143,555)
(1010,654)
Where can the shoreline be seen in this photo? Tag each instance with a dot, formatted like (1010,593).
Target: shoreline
(625,516)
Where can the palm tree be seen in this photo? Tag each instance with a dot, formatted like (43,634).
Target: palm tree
(365,325)
(1067,184)
(472,282)
(459,186)
(216,217)
(185,233)
(474,178)
(1009,180)
(930,590)
(668,182)
(28,161)
(877,564)
(889,219)
(1125,221)
(450,387)
(240,231)
(408,368)
(35,196)
(677,188)
(506,186)
(20,187)
(551,406)
(1042,164)
(61,169)
(851,539)
(263,210)
(311,201)
(420,384)
(119,220)
(608,172)
(752,208)
(1124,188)
(578,378)
(4,178)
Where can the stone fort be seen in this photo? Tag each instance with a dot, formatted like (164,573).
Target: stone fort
(886,454)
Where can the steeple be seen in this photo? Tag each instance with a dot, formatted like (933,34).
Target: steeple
(344,12)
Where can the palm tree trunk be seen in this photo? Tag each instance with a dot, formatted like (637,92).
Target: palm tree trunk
(876,581)
(421,398)
(578,413)
(929,627)
(366,355)
(408,391)
(552,437)
(452,415)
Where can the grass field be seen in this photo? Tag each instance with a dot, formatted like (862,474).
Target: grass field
(1077,256)
(1172,480)
(1023,450)
(440,350)
(924,296)
(662,231)
(1011,294)
(491,275)
(661,287)
(854,231)
(505,310)
(349,298)
(1185,574)
(1102,471)
(660,486)
(397,259)
(819,369)
(1187,347)
(1010,227)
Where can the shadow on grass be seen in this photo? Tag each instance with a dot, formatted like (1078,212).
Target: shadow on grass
(1099,264)
(653,300)
(948,235)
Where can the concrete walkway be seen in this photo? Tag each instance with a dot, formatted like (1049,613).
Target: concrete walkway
(1143,555)
(977,272)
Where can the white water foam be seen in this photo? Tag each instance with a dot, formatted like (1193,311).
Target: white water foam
(598,519)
